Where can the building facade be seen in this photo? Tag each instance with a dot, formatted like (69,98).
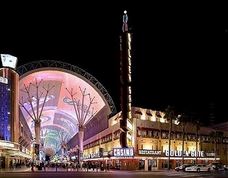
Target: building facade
(11,151)
(151,151)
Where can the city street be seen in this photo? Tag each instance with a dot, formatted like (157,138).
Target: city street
(112,174)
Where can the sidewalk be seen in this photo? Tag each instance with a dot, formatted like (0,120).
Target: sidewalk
(22,169)
(53,169)
(50,169)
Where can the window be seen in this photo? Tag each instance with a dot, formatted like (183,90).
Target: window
(178,136)
(155,134)
(143,133)
(150,133)
(139,132)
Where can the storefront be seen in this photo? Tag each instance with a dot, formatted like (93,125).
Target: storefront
(11,156)
(150,160)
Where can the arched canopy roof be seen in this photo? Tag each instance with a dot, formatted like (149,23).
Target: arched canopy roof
(58,115)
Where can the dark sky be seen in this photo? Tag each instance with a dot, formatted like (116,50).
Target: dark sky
(179,50)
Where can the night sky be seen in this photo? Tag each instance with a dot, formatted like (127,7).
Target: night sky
(179,50)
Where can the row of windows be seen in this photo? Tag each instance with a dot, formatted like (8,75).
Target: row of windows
(92,144)
(105,139)
(116,134)
(154,134)
(177,135)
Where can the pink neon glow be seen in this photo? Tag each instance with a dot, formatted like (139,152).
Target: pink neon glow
(56,105)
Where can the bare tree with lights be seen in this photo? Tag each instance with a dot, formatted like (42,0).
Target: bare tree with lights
(169,115)
(216,138)
(35,103)
(162,115)
(183,119)
(197,127)
(83,113)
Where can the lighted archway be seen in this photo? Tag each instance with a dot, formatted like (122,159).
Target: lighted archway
(58,115)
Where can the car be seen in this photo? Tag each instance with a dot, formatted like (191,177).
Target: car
(198,168)
(182,167)
(216,166)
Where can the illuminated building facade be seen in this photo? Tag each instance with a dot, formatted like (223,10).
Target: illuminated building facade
(11,147)
(9,119)
(149,129)
(151,150)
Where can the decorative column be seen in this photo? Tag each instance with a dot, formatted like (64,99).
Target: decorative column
(81,138)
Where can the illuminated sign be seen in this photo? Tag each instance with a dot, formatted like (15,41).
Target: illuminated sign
(123,152)
(129,125)
(150,152)
(210,154)
(185,153)
(9,60)
(3,80)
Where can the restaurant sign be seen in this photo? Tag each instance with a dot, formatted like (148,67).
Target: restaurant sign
(150,152)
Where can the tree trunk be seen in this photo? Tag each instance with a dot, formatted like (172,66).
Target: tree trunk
(37,135)
(62,151)
(197,130)
(81,137)
(183,135)
(170,131)
(215,147)
(37,131)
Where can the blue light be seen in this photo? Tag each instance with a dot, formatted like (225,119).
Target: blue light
(5,111)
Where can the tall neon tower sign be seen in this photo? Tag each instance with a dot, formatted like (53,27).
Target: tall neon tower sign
(125,81)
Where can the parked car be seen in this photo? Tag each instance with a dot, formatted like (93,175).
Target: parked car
(216,166)
(198,168)
(182,167)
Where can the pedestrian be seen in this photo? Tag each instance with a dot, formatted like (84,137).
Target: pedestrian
(32,168)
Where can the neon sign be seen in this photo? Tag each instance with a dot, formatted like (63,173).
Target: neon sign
(150,152)
(123,152)
(185,153)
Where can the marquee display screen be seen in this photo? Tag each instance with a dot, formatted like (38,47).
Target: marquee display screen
(58,116)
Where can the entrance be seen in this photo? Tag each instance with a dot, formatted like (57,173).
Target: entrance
(141,164)
(2,162)
(152,164)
